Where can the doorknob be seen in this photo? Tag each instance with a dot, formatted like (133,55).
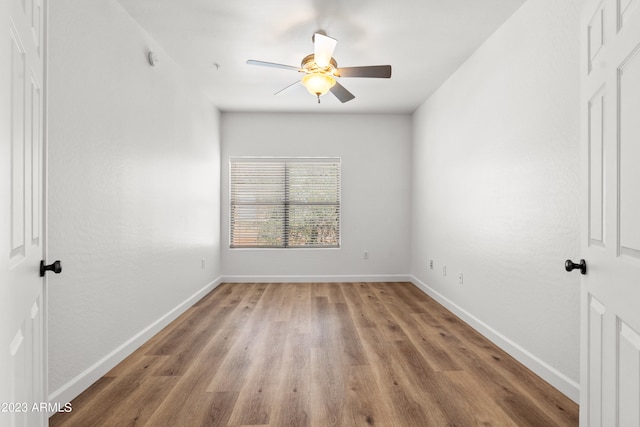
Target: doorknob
(570,265)
(56,267)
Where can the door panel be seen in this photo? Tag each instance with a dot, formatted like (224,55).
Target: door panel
(27,370)
(610,87)
(628,375)
(17,123)
(36,162)
(595,35)
(596,169)
(629,155)
(595,345)
(626,9)
(22,326)
(36,25)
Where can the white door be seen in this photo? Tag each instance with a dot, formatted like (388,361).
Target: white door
(610,323)
(22,381)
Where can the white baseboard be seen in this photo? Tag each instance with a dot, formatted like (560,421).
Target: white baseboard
(317,279)
(551,375)
(80,383)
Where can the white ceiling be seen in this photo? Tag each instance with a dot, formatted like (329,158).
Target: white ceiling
(424,40)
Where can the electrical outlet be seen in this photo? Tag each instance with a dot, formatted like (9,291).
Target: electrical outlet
(444,270)
(460,278)
(203,263)
(431,264)
(365,255)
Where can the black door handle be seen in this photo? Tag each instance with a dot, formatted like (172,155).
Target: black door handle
(56,267)
(570,265)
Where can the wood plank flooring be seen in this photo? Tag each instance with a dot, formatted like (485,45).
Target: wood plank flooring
(319,354)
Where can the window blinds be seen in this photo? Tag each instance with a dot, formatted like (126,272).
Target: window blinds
(285,203)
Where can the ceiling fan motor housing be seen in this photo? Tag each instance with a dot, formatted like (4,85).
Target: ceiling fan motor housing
(309,64)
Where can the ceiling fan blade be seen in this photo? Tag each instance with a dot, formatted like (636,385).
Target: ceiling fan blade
(341,93)
(287,87)
(375,71)
(272,64)
(323,49)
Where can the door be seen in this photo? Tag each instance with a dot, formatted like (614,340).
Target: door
(22,351)
(610,291)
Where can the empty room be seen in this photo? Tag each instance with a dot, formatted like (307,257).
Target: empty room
(320,213)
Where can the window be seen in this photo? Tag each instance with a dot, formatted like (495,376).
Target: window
(285,203)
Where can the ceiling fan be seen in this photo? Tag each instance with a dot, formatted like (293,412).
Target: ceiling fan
(321,69)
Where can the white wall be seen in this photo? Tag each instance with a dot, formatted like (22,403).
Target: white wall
(375,193)
(495,189)
(134,191)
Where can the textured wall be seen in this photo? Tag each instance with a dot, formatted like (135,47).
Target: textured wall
(134,186)
(495,185)
(375,190)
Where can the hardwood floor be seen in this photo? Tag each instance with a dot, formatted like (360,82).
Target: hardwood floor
(322,354)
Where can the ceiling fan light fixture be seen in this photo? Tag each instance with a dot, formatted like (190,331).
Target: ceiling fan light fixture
(318,83)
